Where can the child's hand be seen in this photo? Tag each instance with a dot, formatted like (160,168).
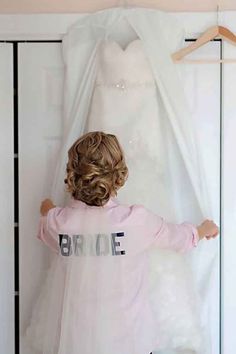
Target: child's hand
(208,229)
(46,205)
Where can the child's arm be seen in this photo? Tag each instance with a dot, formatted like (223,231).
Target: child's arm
(179,237)
(47,231)
(185,236)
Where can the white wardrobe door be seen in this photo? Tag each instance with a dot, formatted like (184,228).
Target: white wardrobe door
(7,200)
(202,85)
(229,202)
(40,120)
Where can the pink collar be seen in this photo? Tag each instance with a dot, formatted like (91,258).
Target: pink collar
(74,203)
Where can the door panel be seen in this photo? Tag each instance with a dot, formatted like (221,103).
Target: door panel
(7,199)
(40,124)
(229,203)
(202,87)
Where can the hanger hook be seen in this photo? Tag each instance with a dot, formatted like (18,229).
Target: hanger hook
(217,14)
(124,3)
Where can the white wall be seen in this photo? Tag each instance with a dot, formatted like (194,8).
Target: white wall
(44,6)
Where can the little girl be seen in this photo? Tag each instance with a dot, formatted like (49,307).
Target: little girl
(104,245)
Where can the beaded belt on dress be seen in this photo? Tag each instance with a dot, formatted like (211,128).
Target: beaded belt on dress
(122,84)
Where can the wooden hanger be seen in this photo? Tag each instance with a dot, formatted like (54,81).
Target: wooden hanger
(210,34)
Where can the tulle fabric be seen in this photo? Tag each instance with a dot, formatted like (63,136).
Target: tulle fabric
(43,333)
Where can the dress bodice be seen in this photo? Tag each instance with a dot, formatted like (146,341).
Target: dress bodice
(125,103)
(123,68)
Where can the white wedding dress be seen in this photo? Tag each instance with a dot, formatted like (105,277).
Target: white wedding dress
(125,103)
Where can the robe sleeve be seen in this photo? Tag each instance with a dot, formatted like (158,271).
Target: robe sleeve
(178,237)
(162,234)
(48,229)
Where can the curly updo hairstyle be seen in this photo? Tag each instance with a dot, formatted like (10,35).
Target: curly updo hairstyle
(96,168)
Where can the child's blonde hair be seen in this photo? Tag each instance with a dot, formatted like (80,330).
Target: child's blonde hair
(96,168)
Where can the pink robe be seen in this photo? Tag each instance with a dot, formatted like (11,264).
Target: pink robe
(107,307)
